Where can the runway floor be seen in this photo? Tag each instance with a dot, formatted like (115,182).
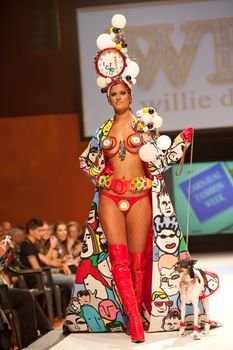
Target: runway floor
(221,309)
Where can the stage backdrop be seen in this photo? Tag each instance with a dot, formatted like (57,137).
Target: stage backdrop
(185,53)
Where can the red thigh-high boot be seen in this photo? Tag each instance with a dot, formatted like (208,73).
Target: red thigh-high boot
(138,270)
(119,258)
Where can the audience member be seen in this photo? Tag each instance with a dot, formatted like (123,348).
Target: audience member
(48,242)
(31,316)
(31,257)
(6,228)
(61,233)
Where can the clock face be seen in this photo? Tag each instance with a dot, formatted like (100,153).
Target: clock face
(110,63)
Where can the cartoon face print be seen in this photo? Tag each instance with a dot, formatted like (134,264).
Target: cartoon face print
(84,297)
(92,214)
(160,304)
(172,321)
(87,248)
(74,305)
(102,239)
(108,309)
(169,281)
(104,268)
(92,155)
(168,241)
(167,233)
(165,205)
(175,153)
(95,287)
(156,185)
(76,323)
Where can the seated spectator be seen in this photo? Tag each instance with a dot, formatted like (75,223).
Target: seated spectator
(61,233)
(74,243)
(31,317)
(6,228)
(48,242)
(31,257)
(17,236)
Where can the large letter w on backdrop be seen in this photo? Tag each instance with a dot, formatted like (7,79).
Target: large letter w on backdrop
(161,53)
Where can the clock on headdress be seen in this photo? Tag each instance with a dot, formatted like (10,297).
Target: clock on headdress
(110,62)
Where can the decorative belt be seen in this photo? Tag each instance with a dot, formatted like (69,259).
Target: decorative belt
(120,186)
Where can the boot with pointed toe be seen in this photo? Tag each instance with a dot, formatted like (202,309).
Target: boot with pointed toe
(119,258)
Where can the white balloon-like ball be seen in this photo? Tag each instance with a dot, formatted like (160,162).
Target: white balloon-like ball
(103,41)
(164,142)
(147,152)
(118,21)
(158,121)
(101,82)
(132,69)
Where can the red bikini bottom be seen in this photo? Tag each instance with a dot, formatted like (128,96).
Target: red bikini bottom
(124,203)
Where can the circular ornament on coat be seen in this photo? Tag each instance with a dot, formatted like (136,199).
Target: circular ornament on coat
(164,142)
(147,152)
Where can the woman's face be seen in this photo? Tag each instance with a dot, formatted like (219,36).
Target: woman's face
(61,232)
(119,98)
(46,232)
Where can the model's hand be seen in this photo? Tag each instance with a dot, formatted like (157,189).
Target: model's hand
(187,135)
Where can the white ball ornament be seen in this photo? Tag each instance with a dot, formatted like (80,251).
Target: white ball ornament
(158,121)
(146,118)
(118,21)
(101,82)
(108,80)
(132,69)
(147,152)
(164,142)
(103,41)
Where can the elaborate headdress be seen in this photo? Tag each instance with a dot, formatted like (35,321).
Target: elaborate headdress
(112,62)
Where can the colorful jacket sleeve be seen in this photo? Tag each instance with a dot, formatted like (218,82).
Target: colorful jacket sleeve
(165,159)
(92,160)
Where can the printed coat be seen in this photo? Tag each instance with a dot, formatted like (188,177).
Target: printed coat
(95,305)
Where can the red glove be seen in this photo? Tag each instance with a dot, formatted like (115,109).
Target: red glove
(187,135)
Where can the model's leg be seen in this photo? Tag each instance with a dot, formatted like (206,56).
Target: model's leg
(138,221)
(113,223)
